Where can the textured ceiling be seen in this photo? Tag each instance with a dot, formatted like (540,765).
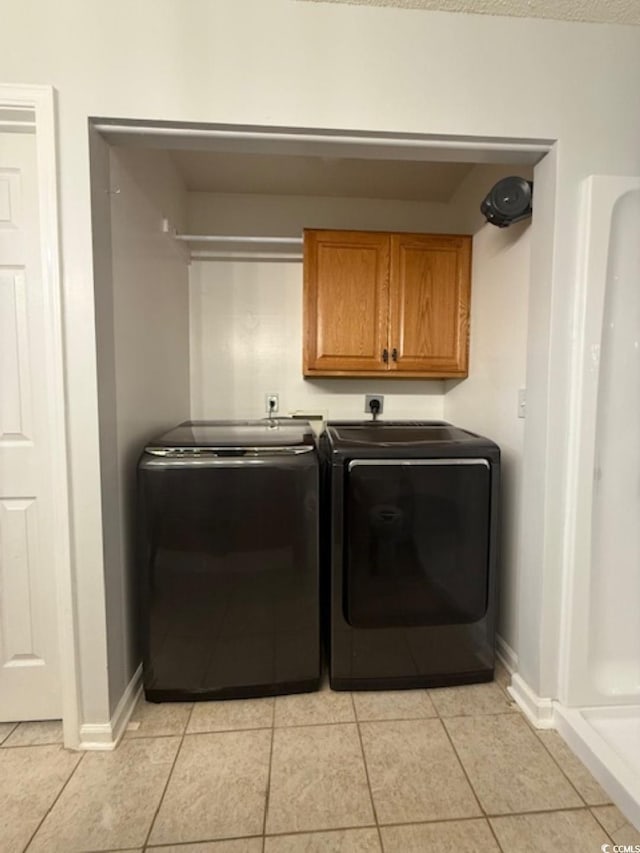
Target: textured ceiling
(594,11)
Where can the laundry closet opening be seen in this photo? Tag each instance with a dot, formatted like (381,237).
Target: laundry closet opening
(197,239)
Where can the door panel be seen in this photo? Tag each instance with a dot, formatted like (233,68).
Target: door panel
(346,300)
(417,542)
(15,401)
(429,309)
(229,577)
(29,670)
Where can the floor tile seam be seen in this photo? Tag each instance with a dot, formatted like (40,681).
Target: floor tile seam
(166,784)
(366,774)
(114,850)
(425,821)
(492,815)
(559,766)
(395,719)
(9,733)
(164,845)
(311,725)
(516,712)
(463,768)
(553,811)
(442,719)
(55,800)
(473,790)
(510,712)
(268,791)
(346,828)
(266,727)
(602,826)
(606,806)
(5,746)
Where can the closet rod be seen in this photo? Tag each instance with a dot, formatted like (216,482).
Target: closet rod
(245,256)
(224,238)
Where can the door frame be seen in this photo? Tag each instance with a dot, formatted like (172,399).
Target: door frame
(544,487)
(31,109)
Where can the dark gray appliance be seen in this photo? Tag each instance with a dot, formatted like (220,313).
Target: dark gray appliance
(228,564)
(410,521)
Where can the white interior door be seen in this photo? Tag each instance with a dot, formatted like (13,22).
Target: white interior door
(29,659)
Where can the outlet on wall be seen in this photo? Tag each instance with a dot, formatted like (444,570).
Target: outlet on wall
(271,403)
(369,399)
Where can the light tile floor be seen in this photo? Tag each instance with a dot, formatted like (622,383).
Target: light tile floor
(457,769)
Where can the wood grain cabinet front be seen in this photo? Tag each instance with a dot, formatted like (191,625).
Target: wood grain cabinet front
(383,305)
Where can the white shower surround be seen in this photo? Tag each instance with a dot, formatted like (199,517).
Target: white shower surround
(599,708)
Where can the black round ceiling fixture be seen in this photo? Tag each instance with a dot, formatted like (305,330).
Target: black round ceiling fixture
(508,201)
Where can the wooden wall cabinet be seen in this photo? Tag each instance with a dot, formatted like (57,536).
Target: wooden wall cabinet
(384,305)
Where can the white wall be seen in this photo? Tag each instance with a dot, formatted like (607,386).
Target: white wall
(486,402)
(390,70)
(287,215)
(246,318)
(103,594)
(143,366)
(246,321)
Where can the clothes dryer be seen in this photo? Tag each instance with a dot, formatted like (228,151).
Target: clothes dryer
(410,527)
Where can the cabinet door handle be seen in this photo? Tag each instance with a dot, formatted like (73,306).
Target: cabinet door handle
(385,355)
(394,354)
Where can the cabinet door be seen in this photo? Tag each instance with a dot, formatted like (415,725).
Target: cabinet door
(346,302)
(429,305)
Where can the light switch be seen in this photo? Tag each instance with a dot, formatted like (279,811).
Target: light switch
(522,402)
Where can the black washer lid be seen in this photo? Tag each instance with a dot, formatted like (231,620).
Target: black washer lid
(259,433)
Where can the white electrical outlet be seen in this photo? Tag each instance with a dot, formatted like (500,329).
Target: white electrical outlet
(271,403)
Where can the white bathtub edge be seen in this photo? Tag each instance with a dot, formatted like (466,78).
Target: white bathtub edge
(613,774)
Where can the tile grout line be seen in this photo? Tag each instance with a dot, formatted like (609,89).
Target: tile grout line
(554,811)
(348,827)
(559,766)
(326,830)
(539,812)
(169,775)
(366,772)
(135,737)
(583,802)
(268,791)
(50,809)
(469,783)
(32,745)
(600,824)
(9,733)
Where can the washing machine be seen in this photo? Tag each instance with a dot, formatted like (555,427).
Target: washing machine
(228,564)
(409,550)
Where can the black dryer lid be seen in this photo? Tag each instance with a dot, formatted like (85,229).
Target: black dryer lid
(406,438)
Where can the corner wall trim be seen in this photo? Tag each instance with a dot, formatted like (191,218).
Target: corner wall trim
(106,736)
(540,712)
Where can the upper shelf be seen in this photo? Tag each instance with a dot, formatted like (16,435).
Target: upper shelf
(242,247)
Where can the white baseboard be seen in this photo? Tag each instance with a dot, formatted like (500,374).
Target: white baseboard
(540,712)
(106,736)
(506,655)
